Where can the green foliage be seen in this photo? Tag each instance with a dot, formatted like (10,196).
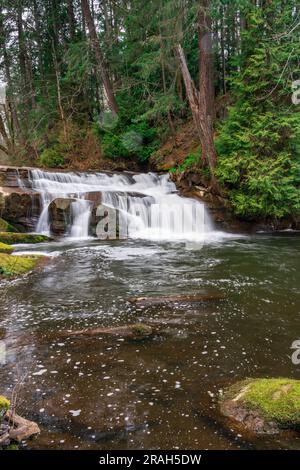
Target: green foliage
(191,161)
(52,157)
(132,141)
(258,144)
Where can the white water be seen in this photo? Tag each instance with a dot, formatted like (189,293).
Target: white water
(148,203)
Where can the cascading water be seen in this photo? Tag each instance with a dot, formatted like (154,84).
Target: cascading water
(147,203)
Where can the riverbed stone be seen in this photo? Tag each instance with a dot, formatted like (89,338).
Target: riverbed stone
(60,215)
(263,406)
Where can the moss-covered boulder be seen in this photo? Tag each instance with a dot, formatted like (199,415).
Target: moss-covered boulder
(4,248)
(15,238)
(6,226)
(17,265)
(263,405)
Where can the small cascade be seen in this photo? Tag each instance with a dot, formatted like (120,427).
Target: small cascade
(147,203)
(81,213)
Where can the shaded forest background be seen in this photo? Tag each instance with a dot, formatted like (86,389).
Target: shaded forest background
(181,85)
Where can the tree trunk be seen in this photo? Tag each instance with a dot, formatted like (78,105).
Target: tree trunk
(100,58)
(72,19)
(201,119)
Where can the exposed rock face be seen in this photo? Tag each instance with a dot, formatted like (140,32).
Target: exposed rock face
(21,206)
(60,215)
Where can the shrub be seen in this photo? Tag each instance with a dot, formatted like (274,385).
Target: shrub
(52,158)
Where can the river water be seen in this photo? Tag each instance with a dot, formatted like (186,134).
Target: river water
(112,393)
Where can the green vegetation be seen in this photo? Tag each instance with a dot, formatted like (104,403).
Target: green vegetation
(275,399)
(6,226)
(68,108)
(52,158)
(4,405)
(17,265)
(15,238)
(6,248)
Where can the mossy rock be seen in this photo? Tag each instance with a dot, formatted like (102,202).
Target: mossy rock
(6,248)
(15,238)
(17,265)
(6,226)
(140,330)
(264,405)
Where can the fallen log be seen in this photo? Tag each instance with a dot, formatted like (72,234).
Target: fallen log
(137,331)
(175,299)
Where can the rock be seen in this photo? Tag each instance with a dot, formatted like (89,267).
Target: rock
(60,215)
(137,331)
(16,238)
(21,206)
(263,406)
(175,299)
(21,429)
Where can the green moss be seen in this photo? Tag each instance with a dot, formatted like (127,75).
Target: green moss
(17,265)
(4,248)
(6,226)
(4,404)
(276,399)
(142,330)
(15,238)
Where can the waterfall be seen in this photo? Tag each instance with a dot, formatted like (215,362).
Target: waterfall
(147,203)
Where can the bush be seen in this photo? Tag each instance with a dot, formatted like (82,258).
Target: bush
(52,158)
(128,140)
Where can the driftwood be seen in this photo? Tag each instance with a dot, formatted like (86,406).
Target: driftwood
(21,428)
(136,331)
(175,299)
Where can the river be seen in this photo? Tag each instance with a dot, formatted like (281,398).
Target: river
(161,393)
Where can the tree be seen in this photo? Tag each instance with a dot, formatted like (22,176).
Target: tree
(103,69)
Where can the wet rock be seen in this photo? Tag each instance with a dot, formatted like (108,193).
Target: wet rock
(137,331)
(175,299)
(263,406)
(60,215)
(20,206)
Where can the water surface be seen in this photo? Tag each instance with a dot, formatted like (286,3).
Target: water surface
(111,393)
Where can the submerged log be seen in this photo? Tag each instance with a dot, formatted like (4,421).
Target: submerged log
(175,299)
(21,428)
(137,331)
